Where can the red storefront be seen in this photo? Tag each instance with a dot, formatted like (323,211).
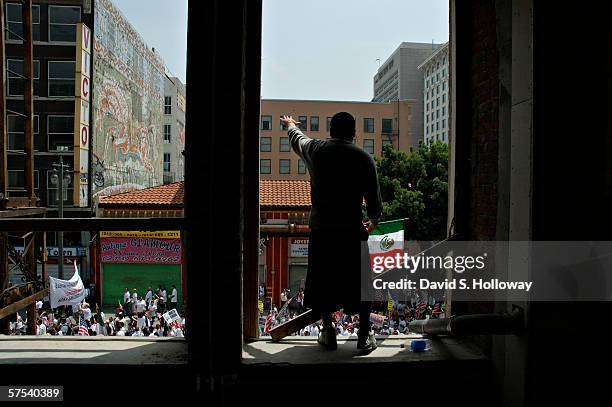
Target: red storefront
(284,208)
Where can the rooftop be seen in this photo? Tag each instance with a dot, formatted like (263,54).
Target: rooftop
(284,194)
(162,195)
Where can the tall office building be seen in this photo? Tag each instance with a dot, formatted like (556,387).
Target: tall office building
(435,95)
(399,78)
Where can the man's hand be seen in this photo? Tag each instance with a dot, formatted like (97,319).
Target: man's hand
(289,121)
(370,225)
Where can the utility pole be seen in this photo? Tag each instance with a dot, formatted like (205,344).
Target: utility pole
(60,177)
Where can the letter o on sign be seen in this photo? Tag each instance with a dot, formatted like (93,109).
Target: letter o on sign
(84,135)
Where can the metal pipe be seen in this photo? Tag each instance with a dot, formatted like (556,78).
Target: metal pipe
(476,324)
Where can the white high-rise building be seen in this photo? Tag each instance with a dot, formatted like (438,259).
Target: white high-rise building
(435,96)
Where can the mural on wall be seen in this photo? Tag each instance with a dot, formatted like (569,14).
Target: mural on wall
(128,104)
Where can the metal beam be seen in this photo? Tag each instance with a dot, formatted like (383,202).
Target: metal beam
(79,224)
(3,138)
(21,304)
(28,96)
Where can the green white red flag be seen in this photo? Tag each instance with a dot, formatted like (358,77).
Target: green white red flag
(386,240)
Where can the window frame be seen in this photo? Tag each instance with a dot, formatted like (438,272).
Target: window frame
(301,166)
(50,24)
(36,130)
(261,150)
(20,22)
(269,162)
(168,139)
(169,162)
(49,116)
(262,122)
(365,128)
(282,161)
(282,145)
(36,62)
(314,126)
(168,105)
(49,79)
(372,146)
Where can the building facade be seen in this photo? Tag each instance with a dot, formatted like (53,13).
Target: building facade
(283,249)
(398,78)
(137,259)
(435,71)
(174,129)
(377,124)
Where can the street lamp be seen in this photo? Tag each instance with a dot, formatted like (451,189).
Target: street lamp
(60,177)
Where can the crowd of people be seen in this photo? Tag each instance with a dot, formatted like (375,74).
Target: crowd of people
(140,316)
(395,322)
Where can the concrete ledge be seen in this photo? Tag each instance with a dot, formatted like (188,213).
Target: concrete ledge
(109,350)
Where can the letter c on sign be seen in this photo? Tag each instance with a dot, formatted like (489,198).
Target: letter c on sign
(85,86)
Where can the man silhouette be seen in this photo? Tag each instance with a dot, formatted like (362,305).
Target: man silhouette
(342,175)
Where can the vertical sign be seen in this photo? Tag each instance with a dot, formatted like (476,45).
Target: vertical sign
(81,116)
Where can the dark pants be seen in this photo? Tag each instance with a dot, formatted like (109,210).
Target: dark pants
(337,261)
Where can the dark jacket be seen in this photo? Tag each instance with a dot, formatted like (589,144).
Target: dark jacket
(342,175)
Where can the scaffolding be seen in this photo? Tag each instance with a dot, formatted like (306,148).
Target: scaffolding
(16,297)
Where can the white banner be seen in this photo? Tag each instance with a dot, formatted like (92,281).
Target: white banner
(171,315)
(66,292)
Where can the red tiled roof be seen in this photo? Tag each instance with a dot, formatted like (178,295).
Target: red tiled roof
(163,195)
(284,194)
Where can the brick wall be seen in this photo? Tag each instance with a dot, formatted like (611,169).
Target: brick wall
(485,109)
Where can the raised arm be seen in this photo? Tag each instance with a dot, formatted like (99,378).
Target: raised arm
(300,143)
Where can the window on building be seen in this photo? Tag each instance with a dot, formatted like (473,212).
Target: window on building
(438,102)
(443,98)
(437,126)
(15,129)
(426,129)
(443,110)
(284,166)
(14,75)
(444,85)
(443,123)
(303,123)
(265,144)
(62,23)
(167,104)
(328,124)
(60,132)
(438,90)
(438,114)
(368,145)
(284,145)
(387,125)
(13,22)
(266,122)
(16,180)
(301,166)
(368,125)
(314,123)
(265,166)
(61,78)
(167,133)
(166,162)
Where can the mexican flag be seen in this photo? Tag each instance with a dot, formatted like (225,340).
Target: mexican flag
(386,240)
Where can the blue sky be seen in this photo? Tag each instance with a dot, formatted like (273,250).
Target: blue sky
(314,49)
(327,49)
(163,26)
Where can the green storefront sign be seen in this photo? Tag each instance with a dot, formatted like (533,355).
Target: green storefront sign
(140,276)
